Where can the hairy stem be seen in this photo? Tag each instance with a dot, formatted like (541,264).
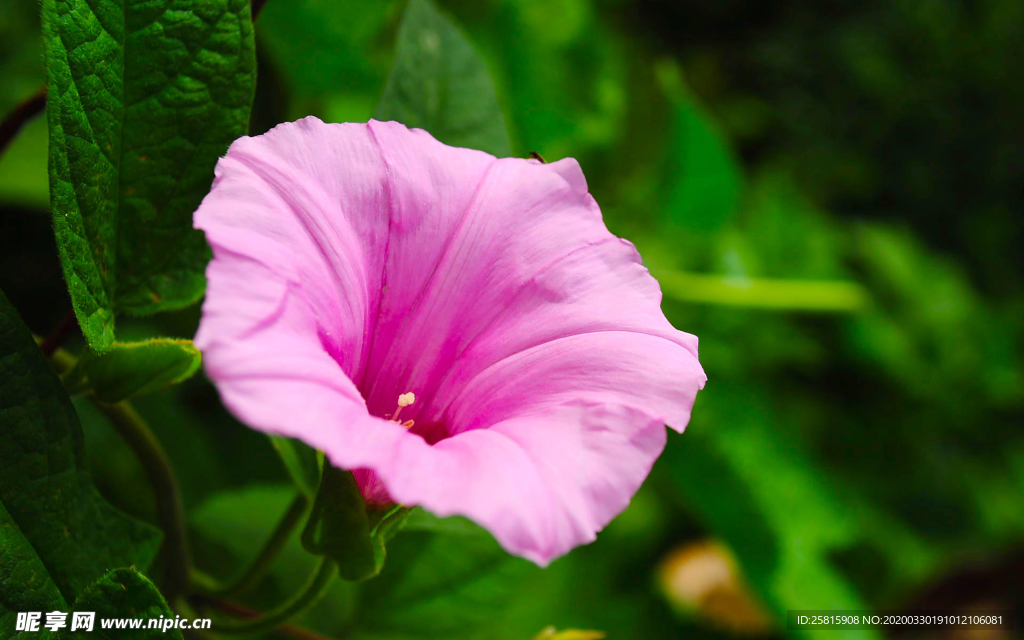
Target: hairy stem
(258,569)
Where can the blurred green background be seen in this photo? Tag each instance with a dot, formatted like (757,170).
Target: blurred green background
(830,194)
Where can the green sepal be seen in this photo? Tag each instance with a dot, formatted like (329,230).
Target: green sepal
(385,523)
(133,368)
(341,527)
(122,593)
(441,84)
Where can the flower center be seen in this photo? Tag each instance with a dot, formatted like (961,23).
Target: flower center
(404,400)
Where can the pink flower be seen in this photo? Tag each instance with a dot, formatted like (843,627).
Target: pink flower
(357,263)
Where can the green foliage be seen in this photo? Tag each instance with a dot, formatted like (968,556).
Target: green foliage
(142,100)
(769,503)
(439,83)
(25,584)
(46,487)
(230,529)
(703,181)
(133,368)
(123,593)
(444,578)
(318,55)
(704,191)
(23,167)
(301,461)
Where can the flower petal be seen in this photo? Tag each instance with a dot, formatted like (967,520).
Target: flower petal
(588,326)
(541,484)
(277,203)
(529,261)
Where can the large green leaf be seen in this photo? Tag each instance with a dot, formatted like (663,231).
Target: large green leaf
(133,368)
(143,99)
(44,484)
(25,584)
(123,594)
(440,83)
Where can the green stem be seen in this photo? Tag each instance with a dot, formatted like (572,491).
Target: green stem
(764,293)
(251,577)
(61,360)
(170,513)
(306,598)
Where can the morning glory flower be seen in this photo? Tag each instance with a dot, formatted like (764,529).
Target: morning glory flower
(463,332)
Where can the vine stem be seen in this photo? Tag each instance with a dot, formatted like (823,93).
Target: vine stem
(16,119)
(325,573)
(60,333)
(170,513)
(208,587)
(764,293)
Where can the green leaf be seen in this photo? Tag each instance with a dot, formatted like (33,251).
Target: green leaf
(122,593)
(767,501)
(320,55)
(133,368)
(441,84)
(340,528)
(301,462)
(25,584)
(44,484)
(704,181)
(143,99)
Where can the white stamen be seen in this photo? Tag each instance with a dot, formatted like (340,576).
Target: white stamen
(404,400)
